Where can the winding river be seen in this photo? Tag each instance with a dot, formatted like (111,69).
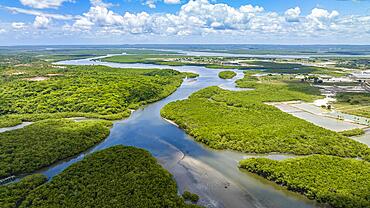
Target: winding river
(212,174)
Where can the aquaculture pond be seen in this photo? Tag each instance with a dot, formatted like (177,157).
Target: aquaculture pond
(213,175)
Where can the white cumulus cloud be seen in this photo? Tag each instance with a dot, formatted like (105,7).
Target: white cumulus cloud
(41,22)
(292,14)
(43,4)
(19,25)
(202,19)
(38,13)
(172,1)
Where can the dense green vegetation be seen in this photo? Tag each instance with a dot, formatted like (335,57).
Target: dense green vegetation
(115,177)
(146,59)
(222,63)
(354,98)
(6,122)
(342,183)
(353,132)
(190,196)
(96,91)
(274,67)
(241,121)
(275,88)
(11,56)
(12,195)
(46,142)
(357,63)
(14,119)
(226,74)
(354,103)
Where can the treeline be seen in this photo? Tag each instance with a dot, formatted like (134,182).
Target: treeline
(352,132)
(217,63)
(226,74)
(115,177)
(92,89)
(339,182)
(354,103)
(12,195)
(46,142)
(241,121)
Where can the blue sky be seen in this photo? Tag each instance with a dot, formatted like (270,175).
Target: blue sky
(184,21)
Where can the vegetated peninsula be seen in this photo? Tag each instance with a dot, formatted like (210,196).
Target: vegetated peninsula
(211,62)
(12,195)
(80,91)
(333,180)
(115,177)
(241,121)
(46,142)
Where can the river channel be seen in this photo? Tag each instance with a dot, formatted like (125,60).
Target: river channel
(212,174)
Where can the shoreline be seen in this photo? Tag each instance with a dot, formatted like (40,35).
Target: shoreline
(171,122)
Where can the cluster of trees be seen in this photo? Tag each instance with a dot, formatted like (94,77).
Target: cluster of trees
(12,195)
(46,142)
(190,196)
(342,183)
(226,74)
(15,119)
(241,121)
(354,98)
(276,88)
(94,89)
(146,59)
(352,132)
(216,63)
(354,103)
(115,177)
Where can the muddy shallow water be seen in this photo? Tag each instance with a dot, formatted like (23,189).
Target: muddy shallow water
(212,174)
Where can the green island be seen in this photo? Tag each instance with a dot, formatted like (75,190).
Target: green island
(115,177)
(13,194)
(46,142)
(44,91)
(242,121)
(339,182)
(226,74)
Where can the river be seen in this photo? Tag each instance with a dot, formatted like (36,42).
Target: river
(212,174)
